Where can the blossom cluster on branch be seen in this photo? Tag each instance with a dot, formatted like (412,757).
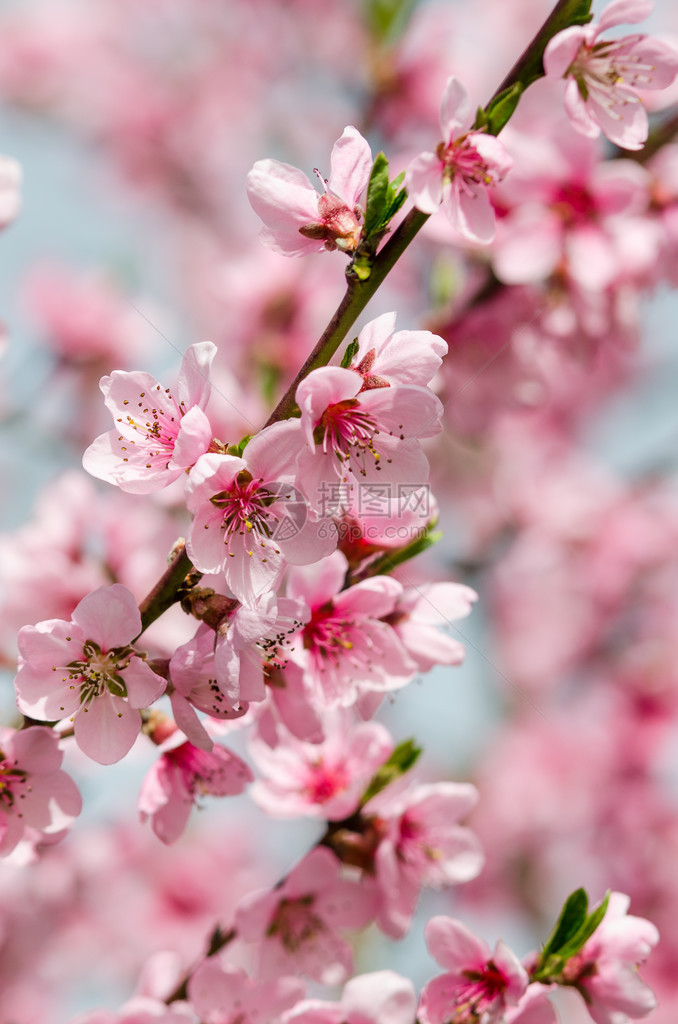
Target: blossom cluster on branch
(299,502)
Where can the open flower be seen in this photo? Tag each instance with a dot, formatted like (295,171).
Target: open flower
(479,984)
(181,775)
(296,219)
(156,437)
(296,923)
(250,519)
(34,792)
(603,76)
(606,968)
(87,669)
(465,165)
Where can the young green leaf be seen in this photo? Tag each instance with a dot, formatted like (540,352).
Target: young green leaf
(351,350)
(401,760)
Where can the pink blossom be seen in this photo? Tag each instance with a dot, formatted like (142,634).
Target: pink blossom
(183,773)
(347,649)
(421,843)
(460,173)
(606,969)
(10,181)
(353,435)
(382,997)
(296,219)
(603,76)
(34,792)
(417,614)
(325,780)
(296,923)
(222,669)
(478,984)
(157,437)
(87,670)
(223,994)
(250,520)
(569,212)
(386,356)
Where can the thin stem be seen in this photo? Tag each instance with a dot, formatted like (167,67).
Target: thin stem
(358,294)
(165,593)
(529,66)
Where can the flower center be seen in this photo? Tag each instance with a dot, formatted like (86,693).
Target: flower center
(99,670)
(158,427)
(327,636)
(246,509)
(349,432)
(464,164)
(11,781)
(295,923)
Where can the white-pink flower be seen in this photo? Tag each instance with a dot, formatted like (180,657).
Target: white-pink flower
(606,968)
(296,923)
(181,775)
(324,780)
(385,356)
(298,220)
(382,997)
(156,437)
(346,649)
(465,165)
(87,670)
(34,792)
(421,844)
(479,984)
(223,994)
(249,518)
(361,436)
(417,616)
(603,76)
(10,182)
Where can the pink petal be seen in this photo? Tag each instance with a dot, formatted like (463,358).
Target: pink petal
(285,200)
(455,109)
(424,182)
(561,51)
(383,997)
(36,749)
(454,946)
(272,453)
(320,582)
(625,122)
(106,728)
(581,113)
(624,12)
(471,212)
(351,164)
(109,616)
(193,382)
(143,685)
(193,439)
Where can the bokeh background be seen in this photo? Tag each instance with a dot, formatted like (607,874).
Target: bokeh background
(135,122)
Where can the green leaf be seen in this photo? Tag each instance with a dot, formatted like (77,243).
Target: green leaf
(351,350)
(587,929)
(572,917)
(401,760)
(239,448)
(387,562)
(377,195)
(502,108)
